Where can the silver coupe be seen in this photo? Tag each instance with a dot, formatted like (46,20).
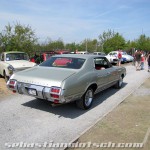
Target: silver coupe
(68,77)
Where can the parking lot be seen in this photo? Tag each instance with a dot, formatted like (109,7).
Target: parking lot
(25,119)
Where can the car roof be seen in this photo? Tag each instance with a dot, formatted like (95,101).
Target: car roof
(14,52)
(113,51)
(98,52)
(84,56)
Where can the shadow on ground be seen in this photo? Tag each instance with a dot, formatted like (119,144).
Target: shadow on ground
(70,110)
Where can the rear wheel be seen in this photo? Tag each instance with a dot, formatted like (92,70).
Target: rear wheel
(86,101)
(119,84)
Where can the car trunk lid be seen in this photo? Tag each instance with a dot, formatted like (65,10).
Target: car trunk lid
(45,76)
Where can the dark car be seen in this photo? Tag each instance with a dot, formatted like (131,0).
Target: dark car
(43,56)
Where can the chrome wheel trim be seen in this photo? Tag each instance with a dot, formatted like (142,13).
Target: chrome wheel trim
(120,81)
(88,97)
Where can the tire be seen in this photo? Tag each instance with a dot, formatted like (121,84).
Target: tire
(6,77)
(119,84)
(86,101)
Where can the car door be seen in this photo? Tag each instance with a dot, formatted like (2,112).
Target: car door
(102,74)
(1,63)
(111,71)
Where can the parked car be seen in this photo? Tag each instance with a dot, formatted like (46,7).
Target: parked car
(123,60)
(14,61)
(112,57)
(99,53)
(43,56)
(62,52)
(66,78)
(129,58)
(82,52)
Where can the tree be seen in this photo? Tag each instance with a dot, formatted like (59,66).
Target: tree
(71,46)
(89,45)
(143,42)
(106,36)
(54,45)
(17,38)
(111,41)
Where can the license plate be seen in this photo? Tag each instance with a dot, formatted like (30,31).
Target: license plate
(32,92)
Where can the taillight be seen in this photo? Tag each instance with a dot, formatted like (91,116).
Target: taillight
(55,90)
(12,84)
(54,96)
(55,93)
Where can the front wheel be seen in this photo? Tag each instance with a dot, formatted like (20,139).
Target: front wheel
(1,76)
(6,77)
(119,84)
(86,101)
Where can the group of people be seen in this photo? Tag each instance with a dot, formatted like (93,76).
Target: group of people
(140,59)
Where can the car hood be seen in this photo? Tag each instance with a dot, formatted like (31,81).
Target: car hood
(21,64)
(45,76)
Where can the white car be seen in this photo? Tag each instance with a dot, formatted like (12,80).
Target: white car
(99,53)
(82,52)
(14,61)
(129,58)
(112,57)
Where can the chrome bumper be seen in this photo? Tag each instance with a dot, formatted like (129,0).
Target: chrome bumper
(37,91)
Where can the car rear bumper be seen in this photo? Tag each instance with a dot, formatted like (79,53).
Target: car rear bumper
(37,91)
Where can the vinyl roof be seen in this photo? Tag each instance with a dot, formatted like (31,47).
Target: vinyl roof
(84,56)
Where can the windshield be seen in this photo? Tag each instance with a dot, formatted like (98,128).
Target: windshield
(16,56)
(113,53)
(124,53)
(64,62)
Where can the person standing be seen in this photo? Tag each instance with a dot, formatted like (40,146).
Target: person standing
(119,57)
(137,59)
(142,62)
(148,61)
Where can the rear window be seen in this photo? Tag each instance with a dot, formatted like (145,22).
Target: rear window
(64,62)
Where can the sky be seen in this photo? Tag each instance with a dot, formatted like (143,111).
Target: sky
(77,20)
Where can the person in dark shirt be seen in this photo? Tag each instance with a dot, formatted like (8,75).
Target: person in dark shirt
(137,59)
(148,61)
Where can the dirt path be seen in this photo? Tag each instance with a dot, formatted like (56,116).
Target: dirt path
(4,92)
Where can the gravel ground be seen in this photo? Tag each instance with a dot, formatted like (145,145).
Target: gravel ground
(25,119)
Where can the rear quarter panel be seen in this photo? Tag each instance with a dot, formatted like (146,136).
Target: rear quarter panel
(78,83)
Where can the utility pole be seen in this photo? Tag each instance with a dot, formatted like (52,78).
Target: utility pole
(96,46)
(102,46)
(86,44)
